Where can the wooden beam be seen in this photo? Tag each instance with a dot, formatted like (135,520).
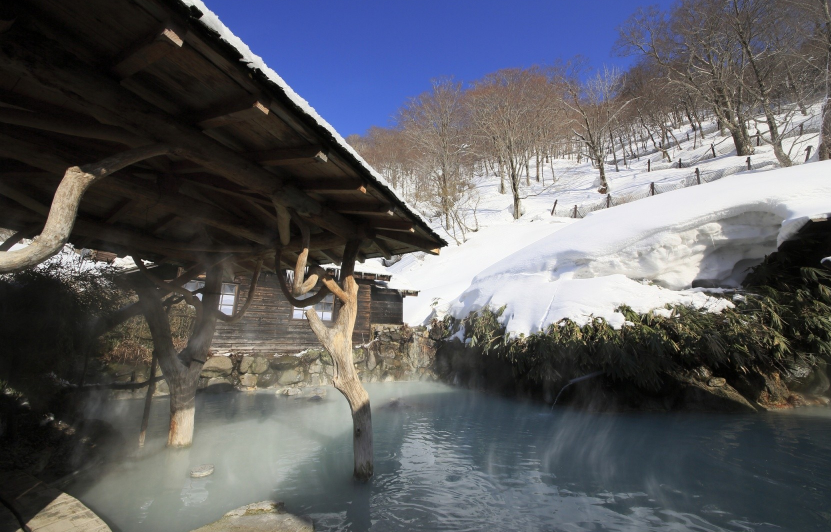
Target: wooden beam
(289,156)
(333,186)
(122,208)
(147,51)
(164,197)
(162,224)
(363,208)
(383,248)
(75,126)
(396,224)
(238,110)
(410,239)
(44,61)
(332,255)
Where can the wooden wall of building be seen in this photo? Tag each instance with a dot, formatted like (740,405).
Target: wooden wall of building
(268,326)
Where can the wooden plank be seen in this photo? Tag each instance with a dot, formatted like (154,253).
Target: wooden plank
(405,226)
(333,186)
(289,156)
(148,50)
(122,208)
(383,248)
(362,208)
(238,110)
(410,239)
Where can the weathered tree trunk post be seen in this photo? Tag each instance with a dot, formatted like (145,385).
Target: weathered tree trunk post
(336,339)
(181,370)
(148,400)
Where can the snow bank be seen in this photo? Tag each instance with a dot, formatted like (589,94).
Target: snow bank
(647,254)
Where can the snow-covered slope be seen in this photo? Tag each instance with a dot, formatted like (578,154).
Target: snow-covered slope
(648,253)
(644,254)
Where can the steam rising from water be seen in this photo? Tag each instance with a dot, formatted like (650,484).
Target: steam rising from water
(449,459)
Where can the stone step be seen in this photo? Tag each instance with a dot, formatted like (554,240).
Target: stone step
(46,509)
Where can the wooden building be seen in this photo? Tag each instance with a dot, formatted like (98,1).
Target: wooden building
(273,326)
(235,148)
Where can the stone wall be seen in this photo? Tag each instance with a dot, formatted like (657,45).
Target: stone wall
(395,353)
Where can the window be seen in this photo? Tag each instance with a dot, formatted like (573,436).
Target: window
(324,309)
(227,299)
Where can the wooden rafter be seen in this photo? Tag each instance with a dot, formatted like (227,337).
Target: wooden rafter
(238,110)
(289,156)
(148,50)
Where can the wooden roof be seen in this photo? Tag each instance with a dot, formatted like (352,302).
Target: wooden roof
(82,81)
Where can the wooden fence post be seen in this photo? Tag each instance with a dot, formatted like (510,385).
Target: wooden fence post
(554,208)
(698,176)
(801,126)
(713,147)
(808,153)
(679,163)
(608,200)
(748,164)
(574,215)
(649,165)
(652,189)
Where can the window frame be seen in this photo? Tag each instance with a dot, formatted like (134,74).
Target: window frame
(196,284)
(299,313)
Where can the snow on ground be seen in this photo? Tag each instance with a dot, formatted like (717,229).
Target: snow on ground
(647,254)
(644,254)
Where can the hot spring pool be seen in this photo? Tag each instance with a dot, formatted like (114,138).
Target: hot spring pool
(451,459)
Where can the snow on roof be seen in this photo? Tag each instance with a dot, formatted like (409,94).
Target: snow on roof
(255,62)
(646,254)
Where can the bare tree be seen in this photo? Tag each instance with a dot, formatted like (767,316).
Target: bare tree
(595,108)
(698,50)
(504,107)
(434,125)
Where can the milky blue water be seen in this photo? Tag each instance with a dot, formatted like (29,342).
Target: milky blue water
(451,459)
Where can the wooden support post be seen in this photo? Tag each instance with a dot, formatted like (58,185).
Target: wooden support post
(698,176)
(148,399)
(147,51)
(64,209)
(554,208)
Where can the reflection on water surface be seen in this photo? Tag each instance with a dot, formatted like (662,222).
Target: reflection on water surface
(450,459)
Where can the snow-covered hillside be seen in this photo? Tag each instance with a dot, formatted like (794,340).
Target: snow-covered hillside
(644,254)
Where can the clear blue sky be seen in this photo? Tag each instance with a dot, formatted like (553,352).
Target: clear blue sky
(357,61)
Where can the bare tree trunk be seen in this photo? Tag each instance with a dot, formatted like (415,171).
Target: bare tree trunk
(181,370)
(824,148)
(61,215)
(338,342)
(148,400)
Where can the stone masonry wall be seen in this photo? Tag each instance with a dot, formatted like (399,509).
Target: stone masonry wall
(395,353)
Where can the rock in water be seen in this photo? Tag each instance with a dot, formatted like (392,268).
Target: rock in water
(202,471)
(260,517)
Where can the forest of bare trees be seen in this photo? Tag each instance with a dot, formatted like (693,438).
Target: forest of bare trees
(752,66)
